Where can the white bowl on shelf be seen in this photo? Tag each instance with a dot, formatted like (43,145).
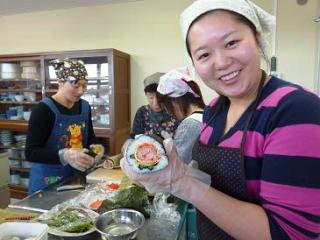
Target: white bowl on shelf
(14,153)
(16,117)
(27,75)
(14,163)
(25,164)
(9,75)
(15,179)
(20,137)
(9,70)
(24,182)
(26,115)
(19,97)
(30,96)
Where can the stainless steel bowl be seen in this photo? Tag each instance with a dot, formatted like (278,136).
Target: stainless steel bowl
(119,224)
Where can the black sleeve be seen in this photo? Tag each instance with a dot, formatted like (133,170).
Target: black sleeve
(138,123)
(40,126)
(91,135)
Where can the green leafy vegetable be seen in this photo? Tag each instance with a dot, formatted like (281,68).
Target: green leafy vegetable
(146,166)
(79,226)
(68,221)
(134,197)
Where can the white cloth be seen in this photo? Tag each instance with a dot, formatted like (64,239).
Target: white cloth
(263,21)
(174,83)
(196,116)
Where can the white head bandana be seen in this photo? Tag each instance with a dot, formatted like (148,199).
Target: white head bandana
(263,21)
(173,83)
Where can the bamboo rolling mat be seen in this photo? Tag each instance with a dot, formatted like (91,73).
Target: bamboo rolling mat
(9,215)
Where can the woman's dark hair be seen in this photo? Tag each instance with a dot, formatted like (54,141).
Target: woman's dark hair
(223,101)
(152,88)
(184,102)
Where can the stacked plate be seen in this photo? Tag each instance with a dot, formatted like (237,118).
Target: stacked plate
(21,140)
(6,138)
(30,70)
(9,70)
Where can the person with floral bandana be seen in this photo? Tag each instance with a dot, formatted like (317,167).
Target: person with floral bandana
(151,119)
(181,97)
(60,129)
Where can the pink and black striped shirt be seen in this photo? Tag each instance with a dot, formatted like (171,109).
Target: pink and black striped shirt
(282,156)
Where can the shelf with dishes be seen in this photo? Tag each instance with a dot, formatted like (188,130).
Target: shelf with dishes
(19,169)
(108,90)
(19,178)
(20,80)
(18,103)
(9,90)
(17,95)
(18,165)
(15,114)
(20,70)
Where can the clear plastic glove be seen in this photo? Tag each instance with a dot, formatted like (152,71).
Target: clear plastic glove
(100,152)
(193,164)
(172,179)
(76,158)
(194,172)
(125,145)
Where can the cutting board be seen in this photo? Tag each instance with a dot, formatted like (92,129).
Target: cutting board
(102,174)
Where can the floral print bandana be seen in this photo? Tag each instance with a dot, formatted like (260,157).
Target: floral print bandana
(71,70)
(174,83)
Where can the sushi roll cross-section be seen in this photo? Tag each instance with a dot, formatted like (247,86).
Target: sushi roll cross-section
(145,154)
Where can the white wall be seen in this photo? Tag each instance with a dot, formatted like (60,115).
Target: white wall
(149,31)
(297,41)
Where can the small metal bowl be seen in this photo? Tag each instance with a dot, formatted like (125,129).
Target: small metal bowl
(119,224)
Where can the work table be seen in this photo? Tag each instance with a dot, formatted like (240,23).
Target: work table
(46,199)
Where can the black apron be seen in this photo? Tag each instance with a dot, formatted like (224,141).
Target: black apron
(227,170)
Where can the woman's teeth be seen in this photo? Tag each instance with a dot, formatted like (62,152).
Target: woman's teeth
(229,76)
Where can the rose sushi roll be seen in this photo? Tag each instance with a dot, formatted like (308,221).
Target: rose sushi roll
(145,155)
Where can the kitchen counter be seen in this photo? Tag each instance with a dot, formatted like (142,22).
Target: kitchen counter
(153,229)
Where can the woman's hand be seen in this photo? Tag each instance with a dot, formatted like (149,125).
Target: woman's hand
(172,179)
(76,158)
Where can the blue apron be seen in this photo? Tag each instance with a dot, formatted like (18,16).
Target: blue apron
(69,131)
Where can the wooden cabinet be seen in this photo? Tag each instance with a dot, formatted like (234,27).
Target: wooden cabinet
(25,79)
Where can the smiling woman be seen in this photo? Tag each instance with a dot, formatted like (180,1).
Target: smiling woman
(264,183)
